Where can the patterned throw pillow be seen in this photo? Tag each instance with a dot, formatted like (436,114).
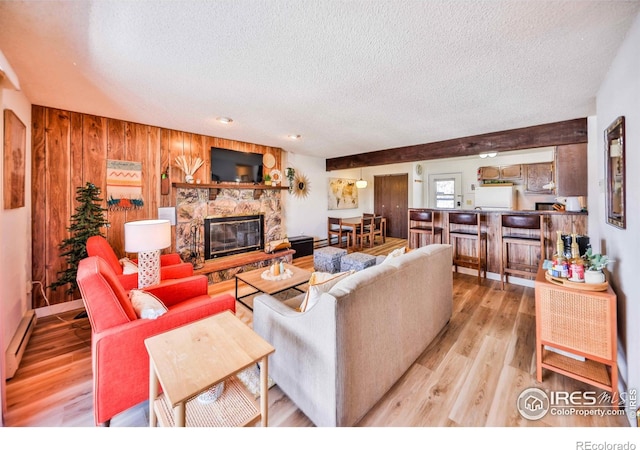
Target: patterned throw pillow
(318,283)
(146,305)
(128,266)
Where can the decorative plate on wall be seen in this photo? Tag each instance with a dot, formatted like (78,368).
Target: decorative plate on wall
(300,185)
(276,176)
(268,160)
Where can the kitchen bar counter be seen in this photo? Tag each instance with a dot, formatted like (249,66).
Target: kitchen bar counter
(566,222)
(515,211)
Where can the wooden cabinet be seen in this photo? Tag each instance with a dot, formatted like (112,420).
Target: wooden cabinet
(511,172)
(581,323)
(489,173)
(537,176)
(571,170)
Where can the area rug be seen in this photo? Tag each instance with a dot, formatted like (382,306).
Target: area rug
(250,377)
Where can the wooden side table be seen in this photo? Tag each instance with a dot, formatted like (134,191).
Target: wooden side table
(581,322)
(187,361)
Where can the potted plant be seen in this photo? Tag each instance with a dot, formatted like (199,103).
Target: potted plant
(594,263)
(267,179)
(291,176)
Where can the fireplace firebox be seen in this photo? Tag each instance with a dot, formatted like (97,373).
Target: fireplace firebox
(231,235)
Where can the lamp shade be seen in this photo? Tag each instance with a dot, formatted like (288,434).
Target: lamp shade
(146,235)
(361,184)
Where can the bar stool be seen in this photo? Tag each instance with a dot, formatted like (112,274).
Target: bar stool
(468,226)
(519,229)
(421,223)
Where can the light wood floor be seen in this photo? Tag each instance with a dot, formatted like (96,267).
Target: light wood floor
(471,375)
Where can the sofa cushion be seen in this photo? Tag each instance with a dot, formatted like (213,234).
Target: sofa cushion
(394,254)
(146,305)
(319,283)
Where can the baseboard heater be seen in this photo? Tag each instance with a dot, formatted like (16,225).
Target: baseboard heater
(18,344)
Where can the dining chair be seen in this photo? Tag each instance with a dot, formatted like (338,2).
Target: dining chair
(378,229)
(364,232)
(334,228)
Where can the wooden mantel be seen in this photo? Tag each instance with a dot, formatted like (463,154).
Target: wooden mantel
(214,188)
(226,186)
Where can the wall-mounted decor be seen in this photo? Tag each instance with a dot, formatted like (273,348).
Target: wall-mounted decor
(124,185)
(300,185)
(614,142)
(343,193)
(15,142)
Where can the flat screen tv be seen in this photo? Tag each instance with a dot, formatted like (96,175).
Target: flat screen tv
(230,166)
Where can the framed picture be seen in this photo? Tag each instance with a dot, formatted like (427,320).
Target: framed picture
(343,193)
(15,142)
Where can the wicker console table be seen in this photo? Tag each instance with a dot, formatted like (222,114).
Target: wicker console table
(579,322)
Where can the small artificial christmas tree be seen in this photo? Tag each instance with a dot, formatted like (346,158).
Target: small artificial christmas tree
(86,222)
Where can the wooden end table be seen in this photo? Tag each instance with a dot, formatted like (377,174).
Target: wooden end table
(188,360)
(254,279)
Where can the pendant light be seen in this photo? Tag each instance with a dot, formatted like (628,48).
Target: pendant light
(361,184)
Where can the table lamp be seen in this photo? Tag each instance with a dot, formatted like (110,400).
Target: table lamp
(147,238)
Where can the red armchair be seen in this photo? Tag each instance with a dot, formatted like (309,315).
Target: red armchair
(171,265)
(120,360)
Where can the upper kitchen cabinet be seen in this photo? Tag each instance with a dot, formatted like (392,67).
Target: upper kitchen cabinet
(538,178)
(511,172)
(571,170)
(489,173)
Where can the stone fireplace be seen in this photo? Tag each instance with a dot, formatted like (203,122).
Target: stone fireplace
(195,205)
(231,235)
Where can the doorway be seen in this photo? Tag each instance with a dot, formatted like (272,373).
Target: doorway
(445,191)
(391,200)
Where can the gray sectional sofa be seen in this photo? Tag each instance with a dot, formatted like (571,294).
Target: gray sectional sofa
(336,360)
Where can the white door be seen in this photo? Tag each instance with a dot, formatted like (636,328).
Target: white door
(444,190)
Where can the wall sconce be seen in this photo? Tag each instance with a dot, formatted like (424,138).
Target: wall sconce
(488,155)
(361,184)
(147,238)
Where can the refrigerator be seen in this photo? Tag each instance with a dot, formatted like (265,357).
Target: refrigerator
(495,197)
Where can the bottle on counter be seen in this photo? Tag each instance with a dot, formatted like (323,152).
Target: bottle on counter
(576,270)
(560,265)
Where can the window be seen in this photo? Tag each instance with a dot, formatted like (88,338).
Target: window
(445,190)
(445,193)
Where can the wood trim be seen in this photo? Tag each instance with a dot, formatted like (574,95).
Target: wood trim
(559,133)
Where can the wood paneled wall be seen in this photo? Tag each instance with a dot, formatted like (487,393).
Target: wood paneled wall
(70,149)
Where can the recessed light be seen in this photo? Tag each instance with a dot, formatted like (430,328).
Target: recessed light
(225,120)
(295,137)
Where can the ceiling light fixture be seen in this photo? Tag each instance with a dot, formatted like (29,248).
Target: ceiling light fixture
(224,120)
(295,137)
(490,155)
(361,184)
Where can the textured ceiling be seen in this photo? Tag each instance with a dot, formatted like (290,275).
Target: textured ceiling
(349,76)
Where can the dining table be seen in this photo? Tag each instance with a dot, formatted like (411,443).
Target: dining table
(352,225)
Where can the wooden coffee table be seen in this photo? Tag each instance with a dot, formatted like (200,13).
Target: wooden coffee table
(254,279)
(188,360)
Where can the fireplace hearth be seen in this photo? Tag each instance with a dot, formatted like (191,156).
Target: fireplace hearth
(231,235)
